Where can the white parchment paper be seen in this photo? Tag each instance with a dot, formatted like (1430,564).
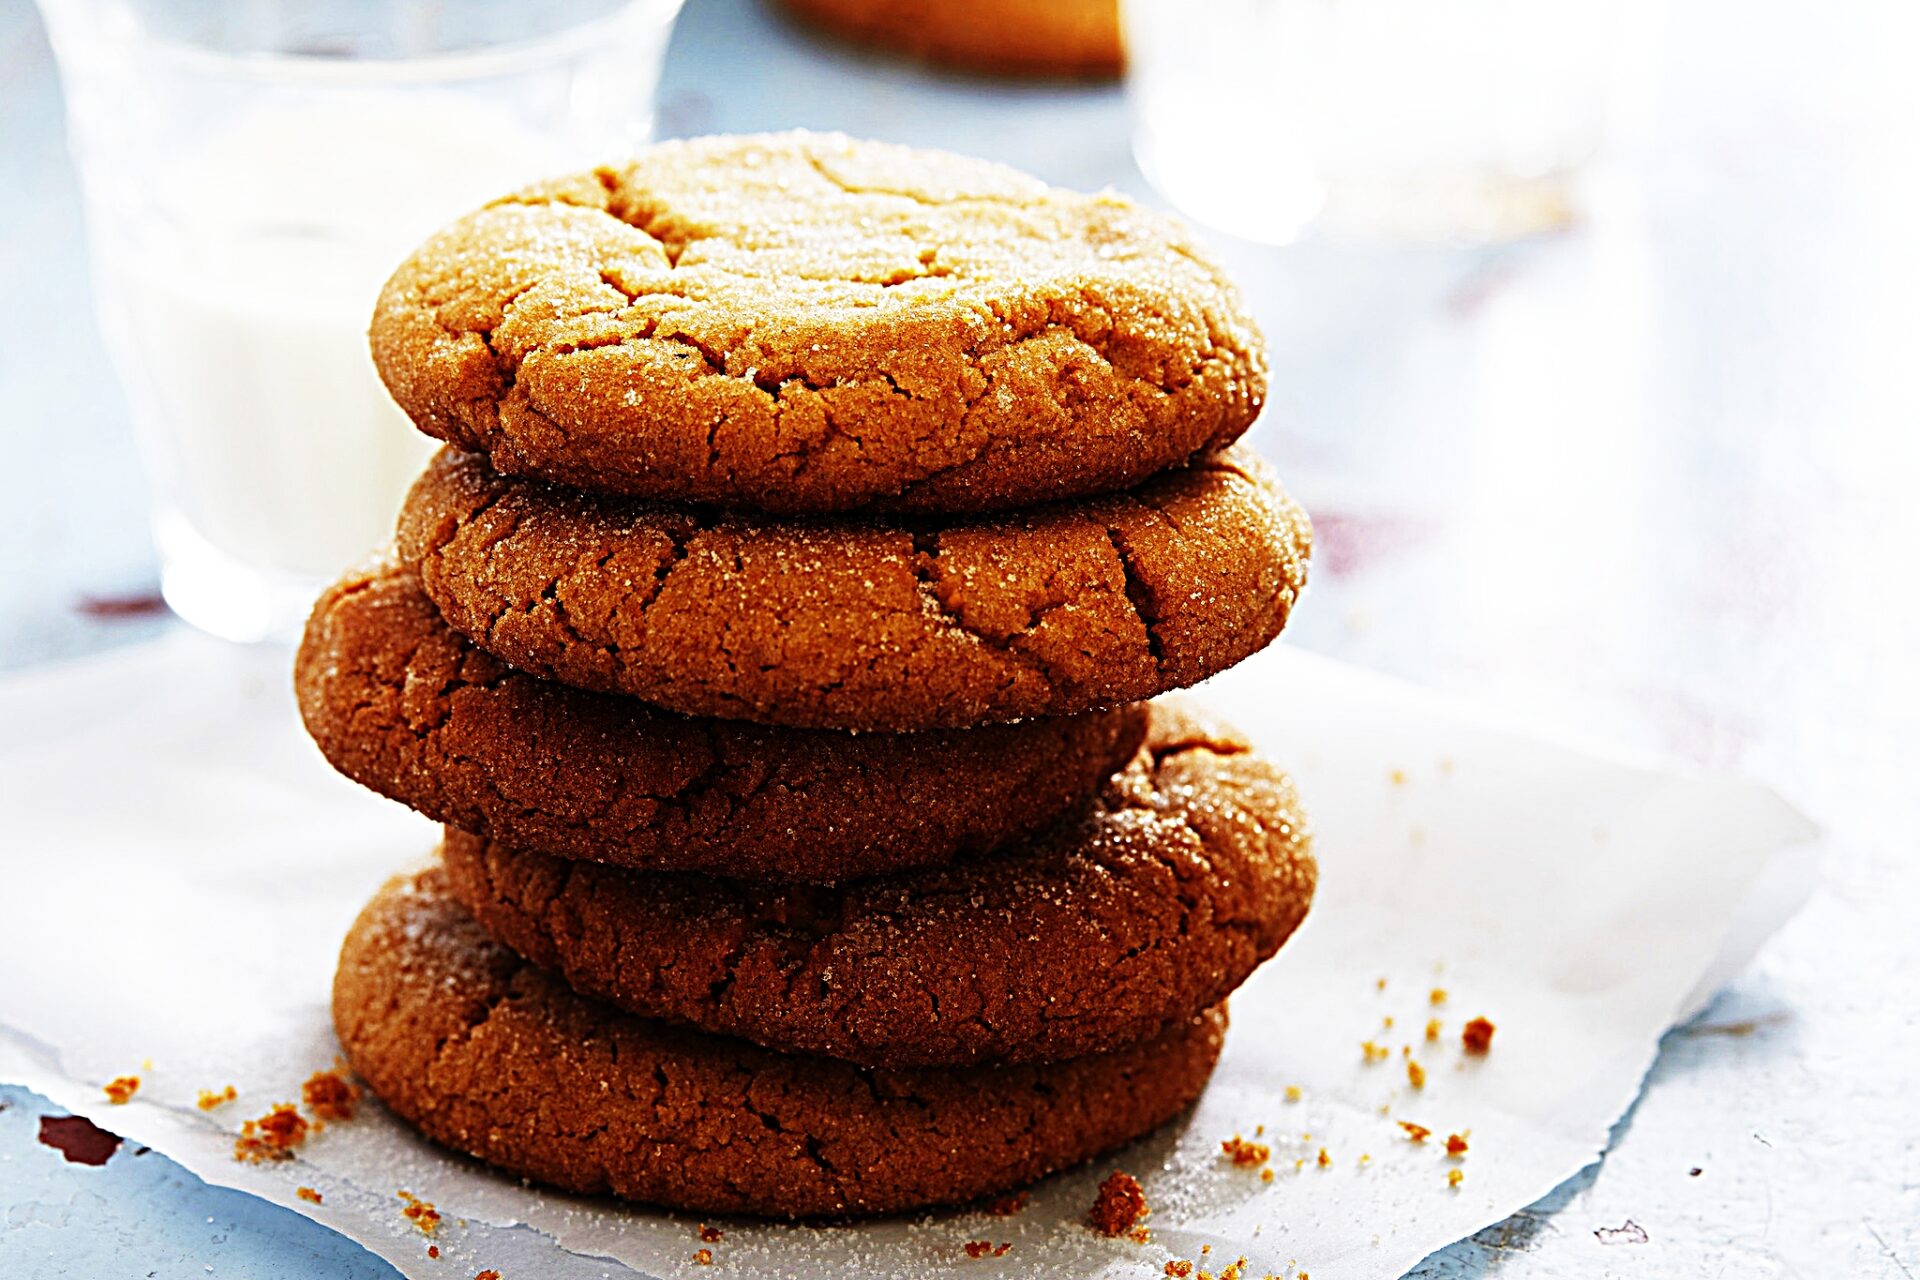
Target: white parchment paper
(179,865)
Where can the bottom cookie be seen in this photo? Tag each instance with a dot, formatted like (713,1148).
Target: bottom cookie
(491,1055)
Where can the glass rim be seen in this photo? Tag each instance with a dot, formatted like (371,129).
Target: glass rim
(323,69)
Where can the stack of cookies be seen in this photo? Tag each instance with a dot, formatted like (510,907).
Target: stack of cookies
(773,637)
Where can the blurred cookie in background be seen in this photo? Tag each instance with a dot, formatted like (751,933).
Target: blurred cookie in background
(1075,39)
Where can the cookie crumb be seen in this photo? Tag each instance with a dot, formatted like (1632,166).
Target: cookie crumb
(211,1098)
(1416,1132)
(488,1275)
(1456,1145)
(308,1194)
(1140,1235)
(1119,1204)
(1398,777)
(272,1136)
(421,1213)
(709,1235)
(1177,1267)
(121,1088)
(704,1257)
(1365,1160)
(1324,1158)
(433,1251)
(1437,996)
(330,1095)
(1266,1174)
(1008,1205)
(1293,1093)
(1433,1028)
(1477,1036)
(1416,1074)
(1455,1177)
(1379,984)
(1248,1155)
(1372,1052)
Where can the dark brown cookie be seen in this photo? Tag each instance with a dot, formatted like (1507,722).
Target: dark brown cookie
(495,1057)
(807,322)
(402,703)
(865,624)
(1069,38)
(1191,869)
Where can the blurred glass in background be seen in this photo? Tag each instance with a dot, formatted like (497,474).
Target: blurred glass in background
(1408,119)
(253,170)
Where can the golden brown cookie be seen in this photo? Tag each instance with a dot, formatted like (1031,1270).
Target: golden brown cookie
(1190,869)
(495,1057)
(860,623)
(1077,39)
(400,702)
(809,323)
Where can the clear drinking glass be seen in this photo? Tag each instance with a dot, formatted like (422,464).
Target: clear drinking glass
(1422,119)
(253,170)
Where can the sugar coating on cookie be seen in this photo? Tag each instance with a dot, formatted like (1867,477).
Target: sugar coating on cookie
(865,623)
(803,322)
(402,703)
(489,1055)
(1191,868)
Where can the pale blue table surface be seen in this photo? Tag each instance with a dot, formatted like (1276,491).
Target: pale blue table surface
(1657,480)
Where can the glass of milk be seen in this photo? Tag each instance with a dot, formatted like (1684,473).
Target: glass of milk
(253,171)
(1398,119)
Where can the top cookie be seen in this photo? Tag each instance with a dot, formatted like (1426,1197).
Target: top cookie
(803,322)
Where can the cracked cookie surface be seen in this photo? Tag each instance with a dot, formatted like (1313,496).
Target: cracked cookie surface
(402,703)
(492,1056)
(859,623)
(806,322)
(1191,868)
